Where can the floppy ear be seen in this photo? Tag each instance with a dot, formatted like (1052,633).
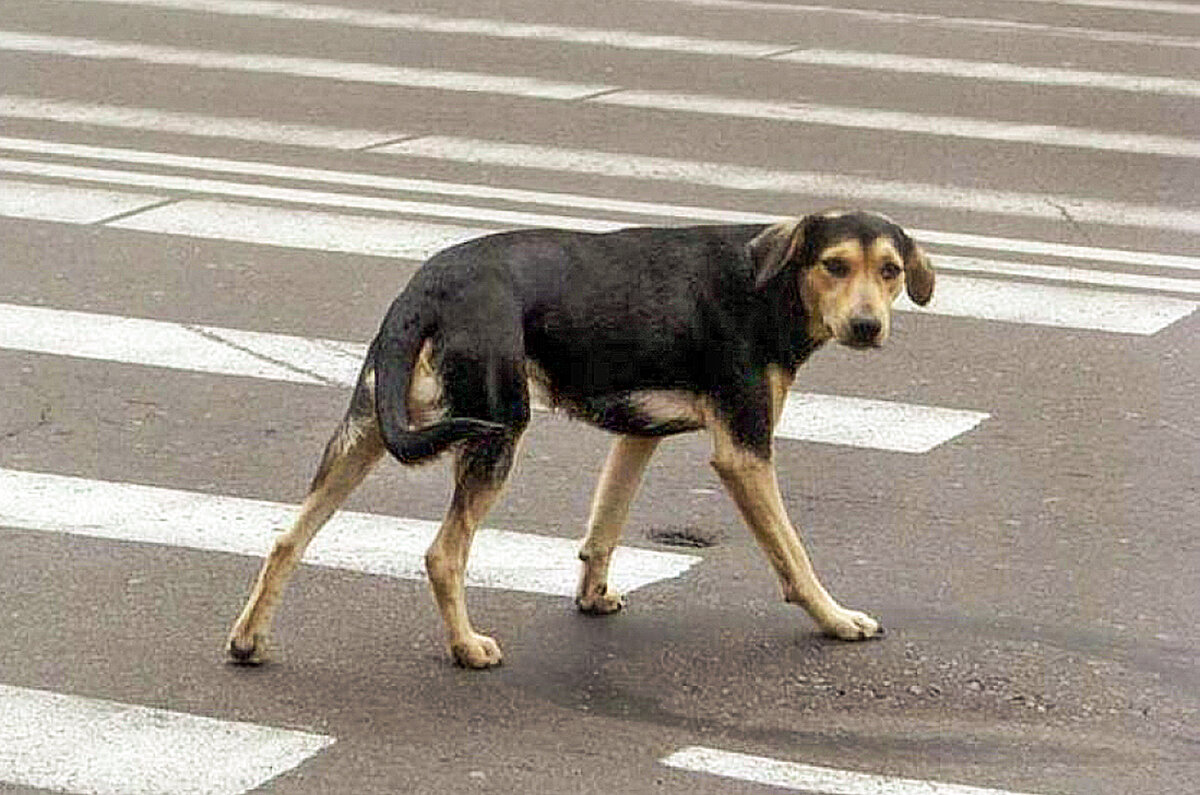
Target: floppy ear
(918,276)
(772,248)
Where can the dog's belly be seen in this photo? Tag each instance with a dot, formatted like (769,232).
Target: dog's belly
(647,413)
(643,412)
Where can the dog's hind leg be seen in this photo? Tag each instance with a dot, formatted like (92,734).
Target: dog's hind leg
(351,452)
(619,482)
(480,471)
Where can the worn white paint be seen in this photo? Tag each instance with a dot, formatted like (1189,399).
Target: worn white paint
(471,26)
(638,41)
(810,778)
(750,178)
(15,106)
(957,296)
(894,121)
(196,348)
(1136,38)
(285,195)
(387,546)
(528,87)
(308,229)
(874,424)
(295,66)
(632,166)
(1073,275)
(69,743)
(995,72)
(372,181)
(69,204)
(1053,305)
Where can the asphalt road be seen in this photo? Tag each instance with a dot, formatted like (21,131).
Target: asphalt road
(222,167)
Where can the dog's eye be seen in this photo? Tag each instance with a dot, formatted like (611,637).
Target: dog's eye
(838,268)
(890,270)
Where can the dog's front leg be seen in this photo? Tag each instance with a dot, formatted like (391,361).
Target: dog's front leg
(751,481)
(618,484)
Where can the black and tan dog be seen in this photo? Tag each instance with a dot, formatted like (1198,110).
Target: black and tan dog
(644,332)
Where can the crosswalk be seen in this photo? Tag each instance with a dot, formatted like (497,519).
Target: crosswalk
(403,191)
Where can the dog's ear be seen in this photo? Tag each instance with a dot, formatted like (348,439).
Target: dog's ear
(772,249)
(918,275)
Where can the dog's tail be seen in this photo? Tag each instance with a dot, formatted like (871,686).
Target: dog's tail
(395,356)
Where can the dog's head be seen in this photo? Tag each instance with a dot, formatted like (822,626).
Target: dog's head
(849,267)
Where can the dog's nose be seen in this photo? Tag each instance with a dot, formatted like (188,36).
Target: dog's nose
(865,329)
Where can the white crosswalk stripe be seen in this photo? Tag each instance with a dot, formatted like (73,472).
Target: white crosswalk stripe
(385,546)
(830,419)
(808,113)
(633,40)
(1062,306)
(969,23)
(810,778)
(71,743)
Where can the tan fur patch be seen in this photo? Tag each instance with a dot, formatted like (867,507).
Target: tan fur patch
(424,399)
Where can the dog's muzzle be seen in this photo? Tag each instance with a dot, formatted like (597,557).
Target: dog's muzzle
(863,332)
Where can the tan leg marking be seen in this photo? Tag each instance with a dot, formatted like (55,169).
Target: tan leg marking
(615,491)
(780,381)
(446,565)
(752,483)
(349,456)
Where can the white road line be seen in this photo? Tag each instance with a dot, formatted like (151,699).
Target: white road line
(67,204)
(307,229)
(294,66)
(957,296)
(1054,305)
(196,348)
(474,26)
(74,744)
(810,778)
(633,40)
(1148,259)
(13,106)
(359,179)
(1008,26)
(893,121)
(872,424)
(169,182)
(1134,281)
(383,20)
(995,71)
(664,169)
(386,546)
(750,178)
(517,86)
(830,419)
(1151,6)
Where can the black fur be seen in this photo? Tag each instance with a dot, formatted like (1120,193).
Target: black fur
(602,316)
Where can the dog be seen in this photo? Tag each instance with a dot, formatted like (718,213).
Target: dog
(645,332)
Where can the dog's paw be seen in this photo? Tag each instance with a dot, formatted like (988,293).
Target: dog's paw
(600,602)
(246,651)
(476,651)
(851,625)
